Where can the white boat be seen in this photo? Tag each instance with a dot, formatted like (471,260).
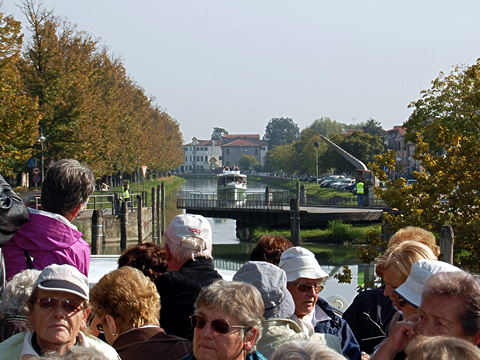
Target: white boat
(231,185)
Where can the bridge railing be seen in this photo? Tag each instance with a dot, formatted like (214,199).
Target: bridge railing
(230,204)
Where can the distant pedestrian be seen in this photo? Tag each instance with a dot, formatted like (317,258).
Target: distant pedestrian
(360,191)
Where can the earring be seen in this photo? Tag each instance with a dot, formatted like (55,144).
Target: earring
(114,334)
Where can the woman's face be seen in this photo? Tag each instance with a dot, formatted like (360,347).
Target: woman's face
(304,301)
(208,344)
(392,282)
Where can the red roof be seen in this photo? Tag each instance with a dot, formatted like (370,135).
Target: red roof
(241,136)
(401,130)
(245,143)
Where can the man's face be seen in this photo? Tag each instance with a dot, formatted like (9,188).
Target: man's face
(440,315)
(304,301)
(56,326)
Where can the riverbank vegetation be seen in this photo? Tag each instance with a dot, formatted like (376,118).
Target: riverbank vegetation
(335,233)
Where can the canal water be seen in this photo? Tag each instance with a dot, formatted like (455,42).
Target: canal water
(229,253)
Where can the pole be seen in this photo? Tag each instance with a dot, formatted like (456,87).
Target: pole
(316,158)
(139,219)
(43,167)
(154,204)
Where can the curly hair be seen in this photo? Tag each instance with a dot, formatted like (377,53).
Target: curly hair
(240,300)
(269,248)
(305,350)
(414,233)
(148,257)
(441,347)
(128,296)
(17,292)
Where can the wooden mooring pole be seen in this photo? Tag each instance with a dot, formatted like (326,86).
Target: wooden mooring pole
(139,218)
(295,217)
(97,232)
(162,209)
(123,226)
(154,235)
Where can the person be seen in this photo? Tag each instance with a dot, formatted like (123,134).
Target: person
(305,350)
(312,313)
(360,192)
(449,307)
(127,306)
(49,237)
(371,312)
(147,257)
(126,193)
(441,347)
(58,310)
(104,187)
(228,322)
(271,282)
(269,248)
(188,250)
(13,305)
(410,292)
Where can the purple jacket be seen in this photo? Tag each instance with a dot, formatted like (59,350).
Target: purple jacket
(49,239)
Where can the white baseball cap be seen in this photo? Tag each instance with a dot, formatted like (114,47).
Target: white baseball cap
(64,278)
(187,227)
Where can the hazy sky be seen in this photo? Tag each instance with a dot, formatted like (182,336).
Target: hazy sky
(238,64)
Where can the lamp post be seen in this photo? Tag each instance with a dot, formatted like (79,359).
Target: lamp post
(194,143)
(41,139)
(316,144)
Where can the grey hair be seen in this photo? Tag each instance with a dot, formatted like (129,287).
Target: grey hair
(461,285)
(240,300)
(76,353)
(17,292)
(184,254)
(305,350)
(67,185)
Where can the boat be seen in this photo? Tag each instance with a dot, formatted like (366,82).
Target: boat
(231,185)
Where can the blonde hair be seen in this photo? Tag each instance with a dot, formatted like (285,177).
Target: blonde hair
(441,347)
(401,257)
(414,233)
(128,296)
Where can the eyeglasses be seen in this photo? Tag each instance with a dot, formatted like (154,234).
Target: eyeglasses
(303,287)
(69,306)
(218,325)
(100,328)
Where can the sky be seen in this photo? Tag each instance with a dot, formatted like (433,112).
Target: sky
(236,64)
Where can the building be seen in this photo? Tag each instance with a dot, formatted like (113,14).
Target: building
(404,151)
(202,156)
(235,146)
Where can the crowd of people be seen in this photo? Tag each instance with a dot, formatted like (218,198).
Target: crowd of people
(170,303)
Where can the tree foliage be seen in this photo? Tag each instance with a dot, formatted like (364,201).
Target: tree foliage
(88,106)
(248,162)
(445,127)
(327,127)
(18,112)
(218,133)
(281,131)
(361,145)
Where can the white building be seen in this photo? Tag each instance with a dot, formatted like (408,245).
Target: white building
(201,156)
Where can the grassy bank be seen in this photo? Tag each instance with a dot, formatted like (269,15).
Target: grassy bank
(335,233)
(171,184)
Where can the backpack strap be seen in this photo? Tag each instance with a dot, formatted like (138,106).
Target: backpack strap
(28,259)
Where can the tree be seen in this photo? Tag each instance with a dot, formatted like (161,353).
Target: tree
(445,128)
(281,131)
(281,158)
(247,162)
(327,127)
(373,127)
(218,133)
(359,144)
(305,152)
(18,113)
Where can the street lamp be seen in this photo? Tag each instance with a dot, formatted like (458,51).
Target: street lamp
(316,144)
(41,139)
(194,143)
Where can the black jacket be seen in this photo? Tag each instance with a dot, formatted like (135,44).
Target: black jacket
(178,291)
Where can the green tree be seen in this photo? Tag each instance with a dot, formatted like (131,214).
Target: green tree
(281,158)
(373,127)
(218,133)
(359,144)
(247,162)
(281,131)
(305,152)
(326,126)
(445,127)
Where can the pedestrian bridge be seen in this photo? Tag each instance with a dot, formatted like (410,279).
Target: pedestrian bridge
(276,212)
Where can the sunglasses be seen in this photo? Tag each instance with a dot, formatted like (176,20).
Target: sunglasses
(303,287)
(401,302)
(218,325)
(69,306)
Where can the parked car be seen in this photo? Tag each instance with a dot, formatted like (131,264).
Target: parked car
(343,182)
(350,187)
(329,180)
